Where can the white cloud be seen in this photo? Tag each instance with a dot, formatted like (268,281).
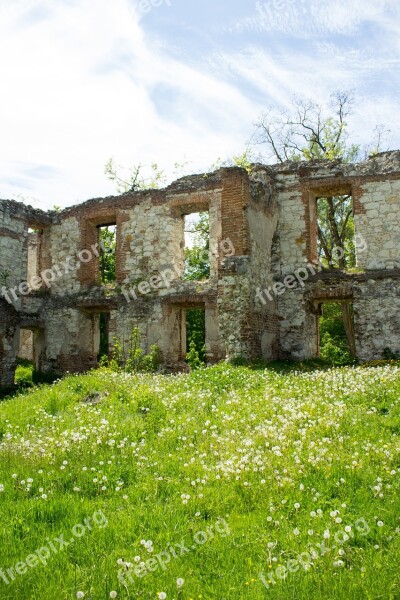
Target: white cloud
(316,75)
(309,19)
(80,81)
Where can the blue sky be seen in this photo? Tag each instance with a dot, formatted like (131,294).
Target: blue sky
(175,80)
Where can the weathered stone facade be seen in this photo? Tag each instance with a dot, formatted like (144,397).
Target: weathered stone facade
(263,228)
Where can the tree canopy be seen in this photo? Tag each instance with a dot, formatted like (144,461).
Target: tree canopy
(309,131)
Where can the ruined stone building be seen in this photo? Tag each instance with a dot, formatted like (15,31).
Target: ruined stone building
(263,237)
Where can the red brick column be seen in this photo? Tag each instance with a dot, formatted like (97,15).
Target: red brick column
(234,201)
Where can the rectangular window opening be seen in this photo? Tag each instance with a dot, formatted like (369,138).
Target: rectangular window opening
(107,260)
(197,246)
(35,237)
(336,333)
(336,234)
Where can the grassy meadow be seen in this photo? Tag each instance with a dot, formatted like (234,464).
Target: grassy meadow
(224,484)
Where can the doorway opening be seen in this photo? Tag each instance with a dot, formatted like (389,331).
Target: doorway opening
(104,335)
(29,355)
(336,333)
(195,325)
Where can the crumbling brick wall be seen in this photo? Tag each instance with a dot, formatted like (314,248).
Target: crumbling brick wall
(262,230)
(374,186)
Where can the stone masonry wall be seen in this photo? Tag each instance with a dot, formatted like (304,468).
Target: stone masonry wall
(375,189)
(377,310)
(262,216)
(379,224)
(267,219)
(9,342)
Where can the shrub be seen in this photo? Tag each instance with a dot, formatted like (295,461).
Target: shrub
(117,356)
(136,361)
(334,347)
(151,361)
(24,375)
(332,353)
(193,357)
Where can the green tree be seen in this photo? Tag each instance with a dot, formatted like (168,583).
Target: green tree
(107,236)
(197,254)
(310,131)
(197,268)
(334,347)
(336,232)
(193,357)
(244,160)
(131,179)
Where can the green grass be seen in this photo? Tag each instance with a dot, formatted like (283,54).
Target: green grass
(246,468)
(24,375)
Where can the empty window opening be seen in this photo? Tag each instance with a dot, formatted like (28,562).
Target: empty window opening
(335,218)
(196,332)
(35,237)
(197,246)
(336,333)
(107,262)
(104,333)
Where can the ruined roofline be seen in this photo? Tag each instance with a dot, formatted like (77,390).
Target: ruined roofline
(380,164)
(35,216)
(187,184)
